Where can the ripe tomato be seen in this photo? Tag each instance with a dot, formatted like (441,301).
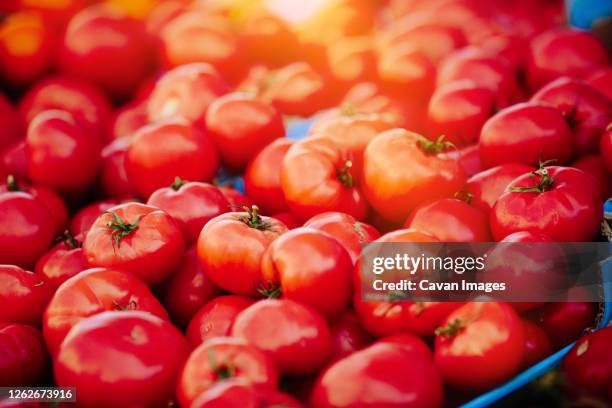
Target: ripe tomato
(63,261)
(26,229)
(605,148)
(128,119)
(565,322)
(546,191)
(262,177)
(587,111)
(84,218)
(23,358)
(350,60)
(121,359)
(479,345)
(485,187)
(349,232)
(301,343)
(113,178)
(222,359)
(403,169)
(216,318)
(116,61)
(240,125)
(10,123)
(401,67)
(235,198)
(305,263)
(409,342)
(231,247)
(594,165)
(60,154)
(563,51)
(332,184)
(537,344)
(451,220)
(469,159)
(587,367)
(186,91)
(188,289)
(92,292)
(381,375)
(23,294)
(191,204)
(164,150)
(289,219)
(347,336)
(526,133)
(14,160)
(136,238)
(238,393)
(602,81)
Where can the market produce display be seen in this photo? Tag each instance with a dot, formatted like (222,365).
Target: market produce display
(186,187)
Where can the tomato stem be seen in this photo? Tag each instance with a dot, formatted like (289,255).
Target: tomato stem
(452,328)
(70,240)
(119,228)
(223,372)
(348,109)
(271,290)
(178,183)
(131,305)
(11,183)
(253,219)
(464,195)
(434,146)
(545,182)
(344,174)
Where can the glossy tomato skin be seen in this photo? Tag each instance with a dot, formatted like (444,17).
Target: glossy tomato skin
(349,232)
(128,119)
(301,344)
(565,322)
(382,375)
(113,178)
(288,218)
(486,186)
(24,358)
(121,359)
(587,111)
(231,247)
(240,125)
(526,133)
(537,344)
(63,261)
(350,60)
(164,150)
(61,155)
(188,289)
(92,292)
(23,294)
(494,333)
(451,220)
(398,174)
(332,184)
(238,393)
(22,243)
(594,165)
(401,68)
(347,336)
(215,318)
(303,264)
(522,211)
(587,367)
(82,221)
(262,177)
(605,148)
(409,342)
(191,204)
(151,250)
(235,197)
(602,81)
(219,359)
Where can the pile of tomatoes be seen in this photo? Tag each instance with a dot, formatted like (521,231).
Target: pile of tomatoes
(133,272)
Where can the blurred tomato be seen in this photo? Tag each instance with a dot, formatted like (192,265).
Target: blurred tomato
(113,177)
(537,344)
(63,261)
(347,336)
(23,294)
(10,123)
(84,218)
(23,358)
(239,393)
(565,322)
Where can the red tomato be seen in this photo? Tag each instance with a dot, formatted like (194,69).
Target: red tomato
(14,160)
(521,207)
(86,103)
(594,165)
(563,51)
(537,344)
(10,123)
(605,148)
(61,154)
(451,220)
(351,60)
(188,289)
(231,247)
(23,359)
(458,110)
(587,111)
(240,125)
(301,343)
(602,81)
(409,342)
(128,119)
(62,262)
(235,198)
(238,393)
(84,218)
(26,228)
(479,346)
(262,177)
(92,292)
(401,68)
(289,219)
(303,265)
(347,336)
(23,294)
(116,61)
(263,34)
(403,169)
(331,184)
(469,159)
(113,177)
(587,367)
(192,205)
(216,318)
(565,322)
(186,91)
(164,150)
(526,133)
(121,359)
(221,359)
(382,375)
(349,232)
(487,186)
(136,238)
